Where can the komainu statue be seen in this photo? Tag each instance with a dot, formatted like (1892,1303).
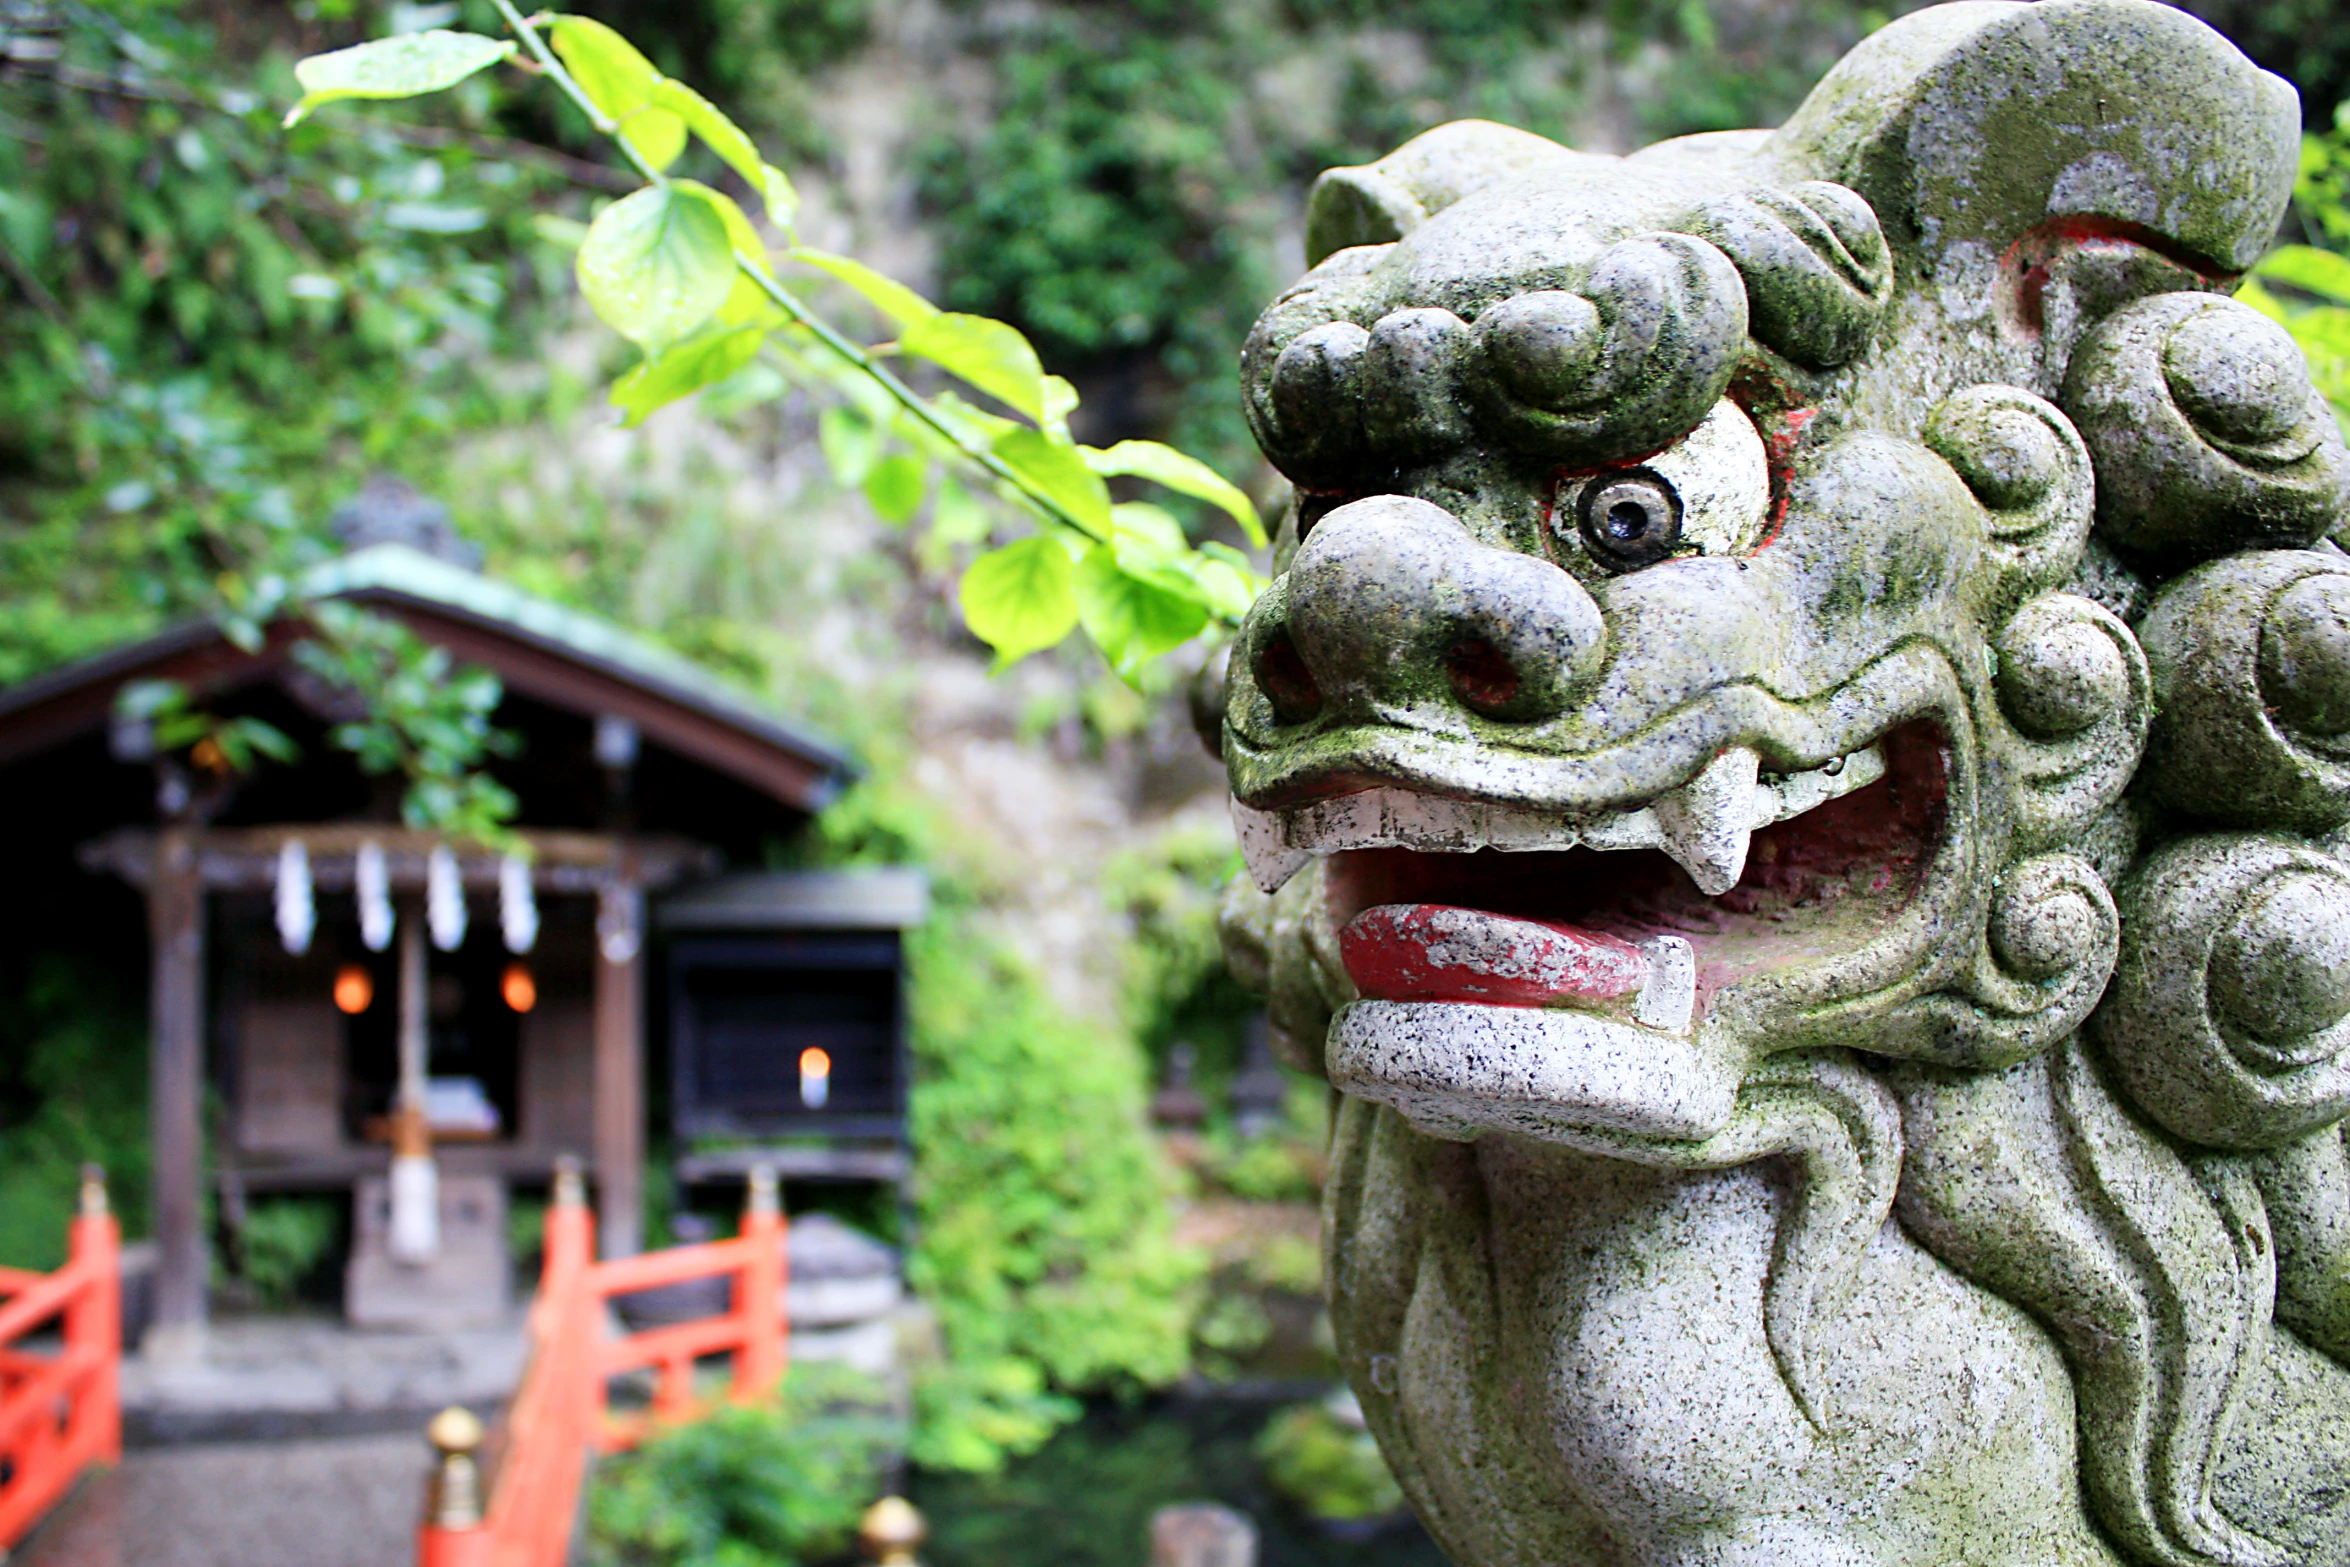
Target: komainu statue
(1796,776)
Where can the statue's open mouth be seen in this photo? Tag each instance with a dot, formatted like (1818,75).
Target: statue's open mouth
(1517,964)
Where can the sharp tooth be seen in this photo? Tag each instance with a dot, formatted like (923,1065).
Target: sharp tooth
(1271,861)
(1707,823)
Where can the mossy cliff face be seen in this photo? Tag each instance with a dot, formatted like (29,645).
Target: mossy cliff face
(1795,774)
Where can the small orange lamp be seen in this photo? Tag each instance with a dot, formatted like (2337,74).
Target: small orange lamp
(354,989)
(520,990)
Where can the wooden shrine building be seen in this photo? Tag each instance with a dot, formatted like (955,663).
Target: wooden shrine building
(632,965)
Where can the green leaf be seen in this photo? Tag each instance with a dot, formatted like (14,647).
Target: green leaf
(851,445)
(957,517)
(608,68)
(1060,401)
(747,303)
(1131,620)
(657,264)
(1144,523)
(1020,598)
(685,369)
(1226,581)
(988,354)
(1150,547)
(656,134)
(1184,474)
(727,139)
(783,202)
(893,299)
(895,487)
(2313,271)
(1057,473)
(403,67)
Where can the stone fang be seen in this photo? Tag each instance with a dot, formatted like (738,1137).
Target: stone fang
(1707,824)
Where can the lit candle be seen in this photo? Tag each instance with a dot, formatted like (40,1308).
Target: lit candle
(815,1077)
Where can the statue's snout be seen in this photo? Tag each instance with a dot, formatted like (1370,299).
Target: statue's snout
(1392,603)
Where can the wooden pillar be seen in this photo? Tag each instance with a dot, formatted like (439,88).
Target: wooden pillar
(620,1066)
(175,924)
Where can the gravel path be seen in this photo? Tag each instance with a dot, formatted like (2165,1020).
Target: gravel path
(340,1502)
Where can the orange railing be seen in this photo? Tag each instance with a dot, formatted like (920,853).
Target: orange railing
(61,1411)
(561,1411)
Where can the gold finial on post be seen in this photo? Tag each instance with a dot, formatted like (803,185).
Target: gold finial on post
(569,1191)
(453,1499)
(93,1199)
(891,1531)
(763,1196)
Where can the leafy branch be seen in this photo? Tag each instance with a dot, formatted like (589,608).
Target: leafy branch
(679,269)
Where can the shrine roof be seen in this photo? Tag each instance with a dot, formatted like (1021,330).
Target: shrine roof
(537,648)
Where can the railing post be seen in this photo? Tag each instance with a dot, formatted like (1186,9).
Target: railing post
(570,1239)
(452,1534)
(93,1322)
(573,1312)
(891,1532)
(758,1291)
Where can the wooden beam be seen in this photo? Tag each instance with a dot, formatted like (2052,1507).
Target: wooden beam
(619,1065)
(244,859)
(175,922)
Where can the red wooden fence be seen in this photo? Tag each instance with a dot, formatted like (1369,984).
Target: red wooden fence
(560,1412)
(60,1410)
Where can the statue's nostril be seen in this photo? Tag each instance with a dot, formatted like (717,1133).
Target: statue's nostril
(1482,676)
(1286,681)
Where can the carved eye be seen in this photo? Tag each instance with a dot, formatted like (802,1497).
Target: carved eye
(1629,519)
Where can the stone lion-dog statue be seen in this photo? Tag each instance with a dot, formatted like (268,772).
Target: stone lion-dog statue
(1794,774)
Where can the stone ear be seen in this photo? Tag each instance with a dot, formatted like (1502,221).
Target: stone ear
(1965,127)
(1379,203)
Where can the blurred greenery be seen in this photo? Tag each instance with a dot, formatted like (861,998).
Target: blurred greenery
(216,328)
(1046,1240)
(73,1090)
(2307,286)
(772,1484)
(1326,1466)
(282,1242)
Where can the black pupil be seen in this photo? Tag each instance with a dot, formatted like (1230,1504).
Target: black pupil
(1627,520)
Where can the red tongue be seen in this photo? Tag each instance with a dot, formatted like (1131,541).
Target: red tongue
(1433,952)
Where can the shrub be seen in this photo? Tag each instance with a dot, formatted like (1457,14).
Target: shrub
(284,1240)
(1046,1238)
(73,1089)
(1328,1467)
(771,1484)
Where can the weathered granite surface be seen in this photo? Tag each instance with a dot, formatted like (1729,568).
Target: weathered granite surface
(1796,771)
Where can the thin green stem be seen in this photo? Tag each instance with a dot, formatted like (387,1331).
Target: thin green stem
(905,396)
(571,89)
